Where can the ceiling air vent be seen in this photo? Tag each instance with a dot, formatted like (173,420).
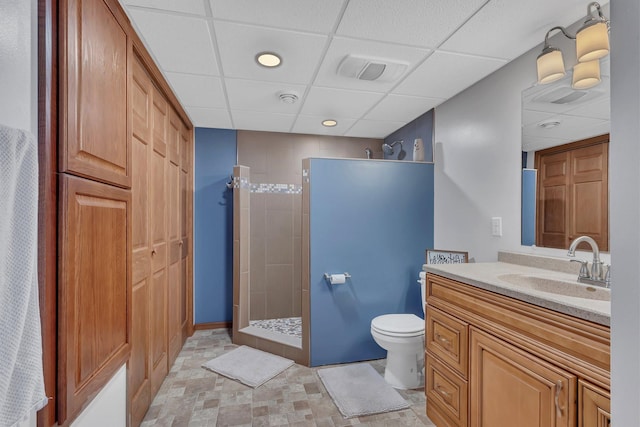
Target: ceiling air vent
(370,69)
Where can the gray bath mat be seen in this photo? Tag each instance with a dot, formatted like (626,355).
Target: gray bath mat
(248,365)
(360,390)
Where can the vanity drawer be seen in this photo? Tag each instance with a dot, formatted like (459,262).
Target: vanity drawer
(446,393)
(446,337)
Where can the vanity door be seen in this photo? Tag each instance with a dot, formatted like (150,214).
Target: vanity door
(510,387)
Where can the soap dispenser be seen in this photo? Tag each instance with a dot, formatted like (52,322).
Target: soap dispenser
(418,150)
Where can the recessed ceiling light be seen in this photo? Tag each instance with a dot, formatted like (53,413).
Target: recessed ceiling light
(329,123)
(268,59)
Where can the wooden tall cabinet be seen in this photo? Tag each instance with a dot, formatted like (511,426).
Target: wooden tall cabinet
(125,183)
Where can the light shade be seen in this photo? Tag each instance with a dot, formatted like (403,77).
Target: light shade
(592,41)
(550,65)
(586,74)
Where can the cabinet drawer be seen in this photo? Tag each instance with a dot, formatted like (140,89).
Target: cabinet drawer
(447,338)
(446,391)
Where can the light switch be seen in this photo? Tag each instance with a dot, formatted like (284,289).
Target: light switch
(496,226)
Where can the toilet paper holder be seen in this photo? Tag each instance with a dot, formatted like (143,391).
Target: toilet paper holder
(328,277)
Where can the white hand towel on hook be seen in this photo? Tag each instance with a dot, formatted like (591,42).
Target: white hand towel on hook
(21,375)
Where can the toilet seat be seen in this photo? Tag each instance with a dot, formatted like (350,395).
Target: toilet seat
(398,325)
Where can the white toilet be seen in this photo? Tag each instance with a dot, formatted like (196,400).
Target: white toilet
(402,335)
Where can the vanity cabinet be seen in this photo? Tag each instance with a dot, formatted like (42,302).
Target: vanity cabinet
(492,360)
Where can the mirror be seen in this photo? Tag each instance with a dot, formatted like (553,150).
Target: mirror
(554,115)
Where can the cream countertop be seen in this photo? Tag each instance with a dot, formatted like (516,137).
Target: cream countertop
(486,276)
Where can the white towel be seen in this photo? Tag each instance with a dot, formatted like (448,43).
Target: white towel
(21,375)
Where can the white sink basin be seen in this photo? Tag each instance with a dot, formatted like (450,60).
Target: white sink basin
(558,287)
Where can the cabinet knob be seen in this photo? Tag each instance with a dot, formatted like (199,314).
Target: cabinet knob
(153,252)
(444,393)
(180,242)
(445,342)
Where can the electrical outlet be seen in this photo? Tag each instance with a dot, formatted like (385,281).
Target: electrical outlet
(496,226)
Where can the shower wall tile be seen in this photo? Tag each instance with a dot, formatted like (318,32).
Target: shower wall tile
(297,303)
(279,237)
(249,156)
(258,305)
(236,272)
(297,215)
(279,202)
(279,288)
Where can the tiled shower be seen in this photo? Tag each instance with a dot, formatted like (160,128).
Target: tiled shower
(268,215)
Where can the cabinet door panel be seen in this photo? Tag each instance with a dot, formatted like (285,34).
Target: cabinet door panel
(512,388)
(94,288)
(96,143)
(594,406)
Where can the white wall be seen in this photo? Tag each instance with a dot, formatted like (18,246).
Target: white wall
(477,176)
(18,64)
(109,408)
(478,163)
(624,184)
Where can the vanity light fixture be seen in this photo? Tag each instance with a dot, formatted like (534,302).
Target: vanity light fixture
(592,43)
(329,123)
(268,59)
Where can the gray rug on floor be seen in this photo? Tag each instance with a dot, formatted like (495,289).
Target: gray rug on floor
(360,390)
(248,365)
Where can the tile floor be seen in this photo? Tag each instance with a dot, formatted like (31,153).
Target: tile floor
(193,396)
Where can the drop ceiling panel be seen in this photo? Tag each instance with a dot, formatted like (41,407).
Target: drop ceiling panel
(600,109)
(198,91)
(522,24)
(402,108)
(210,117)
(306,15)
(253,95)
(573,128)
(179,43)
(443,75)
(384,52)
(535,144)
(313,125)
(239,44)
(425,23)
(193,7)
(260,120)
(530,117)
(374,128)
(332,103)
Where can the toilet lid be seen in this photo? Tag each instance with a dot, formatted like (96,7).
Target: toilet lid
(398,324)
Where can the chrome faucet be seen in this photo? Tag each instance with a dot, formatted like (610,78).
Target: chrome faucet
(597,276)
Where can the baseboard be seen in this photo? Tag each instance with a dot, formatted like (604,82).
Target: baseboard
(212,325)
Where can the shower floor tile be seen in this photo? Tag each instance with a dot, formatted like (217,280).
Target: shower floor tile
(287,325)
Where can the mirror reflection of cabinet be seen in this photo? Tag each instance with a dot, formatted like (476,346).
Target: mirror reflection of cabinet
(573,197)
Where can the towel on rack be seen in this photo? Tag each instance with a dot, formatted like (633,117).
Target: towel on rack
(21,375)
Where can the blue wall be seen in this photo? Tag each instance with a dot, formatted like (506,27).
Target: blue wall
(529,206)
(422,127)
(373,219)
(215,156)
